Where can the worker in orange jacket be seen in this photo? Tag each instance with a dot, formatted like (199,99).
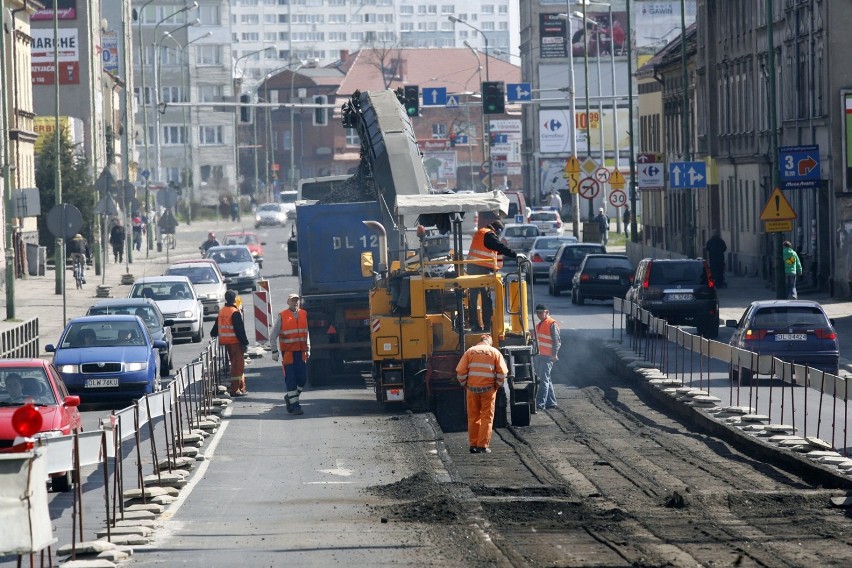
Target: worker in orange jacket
(231,331)
(549,342)
(291,330)
(486,253)
(481,372)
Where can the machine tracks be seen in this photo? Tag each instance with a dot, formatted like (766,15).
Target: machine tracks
(609,480)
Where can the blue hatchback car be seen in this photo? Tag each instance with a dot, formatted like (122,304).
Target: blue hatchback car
(797,331)
(566,262)
(108,358)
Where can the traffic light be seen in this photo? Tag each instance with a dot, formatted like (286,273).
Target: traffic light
(320,114)
(493,97)
(411,96)
(245,111)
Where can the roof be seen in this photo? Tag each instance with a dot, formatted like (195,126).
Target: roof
(157,279)
(124,302)
(451,203)
(457,69)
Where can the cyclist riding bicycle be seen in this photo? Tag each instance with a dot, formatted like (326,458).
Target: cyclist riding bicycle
(77,250)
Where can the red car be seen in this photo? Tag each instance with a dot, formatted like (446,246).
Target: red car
(37,380)
(249,239)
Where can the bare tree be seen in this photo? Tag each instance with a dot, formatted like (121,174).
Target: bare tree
(386,56)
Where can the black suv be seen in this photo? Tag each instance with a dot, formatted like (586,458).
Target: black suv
(678,291)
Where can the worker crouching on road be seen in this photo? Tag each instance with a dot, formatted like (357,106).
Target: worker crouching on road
(481,372)
(291,329)
(231,331)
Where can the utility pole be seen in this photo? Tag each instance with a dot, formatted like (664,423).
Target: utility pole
(687,149)
(634,235)
(7,183)
(780,285)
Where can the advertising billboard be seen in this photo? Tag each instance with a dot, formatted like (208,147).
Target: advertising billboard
(43,57)
(67,10)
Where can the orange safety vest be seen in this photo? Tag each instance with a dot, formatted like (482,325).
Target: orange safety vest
(545,340)
(225,325)
(480,254)
(293,335)
(481,367)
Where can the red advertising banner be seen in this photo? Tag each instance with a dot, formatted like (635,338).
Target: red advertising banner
(69,73)
(67,10)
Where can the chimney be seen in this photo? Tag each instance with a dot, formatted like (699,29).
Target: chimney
(344,54)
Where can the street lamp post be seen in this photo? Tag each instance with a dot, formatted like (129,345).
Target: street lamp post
(455,20)
(188,170)
(143,101)
(292,127)
(572,102)
(237,111)
(481,114)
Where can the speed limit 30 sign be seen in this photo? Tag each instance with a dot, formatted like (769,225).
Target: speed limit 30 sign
(617,198)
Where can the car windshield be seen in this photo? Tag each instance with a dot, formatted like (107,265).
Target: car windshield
(159,291)
(543,216)
(520,232)
(102,334)
(288,197)
(231,255)
(580,252)
(270,207)
(240,240)
(789,316)
(146,313)
(551,244)
(196,274)
(678,273)
(18,384)
(603,263)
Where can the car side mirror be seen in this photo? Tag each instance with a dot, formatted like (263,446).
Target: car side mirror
(731,323)
(263,244)
(50,348)
(227,280)
(71,400)
(160,344)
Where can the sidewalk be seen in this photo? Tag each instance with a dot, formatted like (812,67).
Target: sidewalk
(36,296)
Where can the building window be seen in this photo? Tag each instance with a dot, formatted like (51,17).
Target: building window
(337,18)
(210,93)
(487,26)
(173,174)
(171,95)
(336,36)
(208,55)
(406,26)
(209,15)
(250,19)
(210,136)
(406,10)
(249,36)
(352,138)
(439,130)
(149,96)
(173,135)
(448,9)
(489,9)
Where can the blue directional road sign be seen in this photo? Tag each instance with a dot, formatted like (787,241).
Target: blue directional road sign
(799,167)
(453,101)
(518,92)
(687,175)
(434,96)
(461,139)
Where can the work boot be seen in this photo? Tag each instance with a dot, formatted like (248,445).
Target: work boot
(297,410)
(288,403)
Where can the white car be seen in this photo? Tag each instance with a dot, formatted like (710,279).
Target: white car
(178,301)
(288,201)
(208,282)
(548,221)
(270,215)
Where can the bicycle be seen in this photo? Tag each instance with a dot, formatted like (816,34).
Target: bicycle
(79,271)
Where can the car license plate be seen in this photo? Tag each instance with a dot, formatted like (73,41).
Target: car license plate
(680,297)
(791,337)
(608,277)
(101,383)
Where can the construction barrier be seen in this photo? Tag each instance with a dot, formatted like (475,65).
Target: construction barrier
(262,300)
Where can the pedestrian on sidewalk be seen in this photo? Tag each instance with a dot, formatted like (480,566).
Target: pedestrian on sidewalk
(625,218)
(603,225)
(231,331)
(117,237)
(792,270)
(549,342)
(715,249)
(481,371)
(291,329)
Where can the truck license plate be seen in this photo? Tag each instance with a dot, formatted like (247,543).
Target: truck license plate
(101,383)
(791,337)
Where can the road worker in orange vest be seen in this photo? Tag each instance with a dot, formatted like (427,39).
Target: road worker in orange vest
(481,372)
(231,331)
(487,252)
(549,342)
(291,329)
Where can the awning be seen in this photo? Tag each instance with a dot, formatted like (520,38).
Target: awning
(452,203)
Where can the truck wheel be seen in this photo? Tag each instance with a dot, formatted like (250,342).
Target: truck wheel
(521,414)
(500,419)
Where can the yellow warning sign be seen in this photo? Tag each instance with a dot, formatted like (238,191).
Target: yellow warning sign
(616,180)
(778,226)
(573,182)
(572,165)
(777,208)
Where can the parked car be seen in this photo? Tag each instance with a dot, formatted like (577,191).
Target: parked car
(40,382)
(238,266)
(797,331)
(601,277)
(209,284)
(108,358)
(288,201)
(146,309)
(566,261)
(250,240)
(178,302)
(519,238)
(681,291)
(548,221)
(543,251)
(270,215)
